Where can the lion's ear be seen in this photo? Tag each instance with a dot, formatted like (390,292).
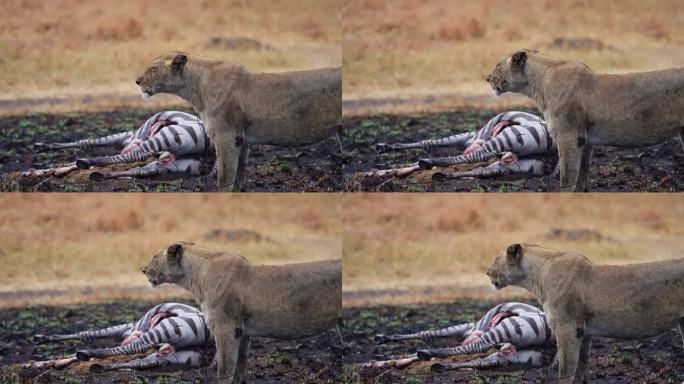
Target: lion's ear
(178,63)
(514,252)
(519,59)
(175,252)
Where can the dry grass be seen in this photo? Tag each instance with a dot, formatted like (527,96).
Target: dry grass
(404,241)
(405,47)
(99,242)
(72,47)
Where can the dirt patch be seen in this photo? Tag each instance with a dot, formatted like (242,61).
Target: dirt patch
(312,360)
(312,168)
(656,360)
(656,168)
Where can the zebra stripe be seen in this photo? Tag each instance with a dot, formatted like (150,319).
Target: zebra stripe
(500,334)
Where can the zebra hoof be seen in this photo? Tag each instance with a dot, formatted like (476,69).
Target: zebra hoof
(424,355)
(379,338)
(382,147)
(39,147)
(438,367)
(97,176)
(440,176)
(425,164)
(97,368)
(83,163)
(83,355)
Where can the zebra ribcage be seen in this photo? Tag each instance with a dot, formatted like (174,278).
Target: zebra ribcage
(178,331)
(517,330)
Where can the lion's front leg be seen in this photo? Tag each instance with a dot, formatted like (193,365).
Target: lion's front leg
(569,346)
(227,158)
(569,154)
(243,354)
(581,373)
(241,175)
(585,169)
(227,351)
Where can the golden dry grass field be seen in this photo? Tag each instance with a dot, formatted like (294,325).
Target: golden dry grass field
(405,247)
(91,247)
(72,48)
(402,48)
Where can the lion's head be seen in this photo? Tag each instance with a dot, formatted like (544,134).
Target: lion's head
(163,75)
(507,267)
(509,74)
(165,266)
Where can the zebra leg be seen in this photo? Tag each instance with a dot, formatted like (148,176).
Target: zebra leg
(459,140)
(479,155)
(528,359)
(185,359)
(115,331)
(115,139)
(460,330)
(141,345)
(399,363)
(136,155)
(532,167)
(191,167)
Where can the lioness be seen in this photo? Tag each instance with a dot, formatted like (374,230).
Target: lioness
(582,299)
(584,108)
(241,300)
(240,108)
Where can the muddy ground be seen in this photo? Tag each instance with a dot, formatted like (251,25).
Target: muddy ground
(313,360)
(658,360)
(657,168)
(310,168)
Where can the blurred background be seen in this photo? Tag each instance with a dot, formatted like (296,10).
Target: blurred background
(83,55)
(403,248)
(81,248)
(411,49)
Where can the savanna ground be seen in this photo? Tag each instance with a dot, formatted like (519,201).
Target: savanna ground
(416,261)
(655,168)
(657,360)
(72,262)
(76,70)
(312,360)
(315,167)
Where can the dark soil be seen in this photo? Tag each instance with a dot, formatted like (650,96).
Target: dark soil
(656,168)
(312,168)
(657,360)
(312,360)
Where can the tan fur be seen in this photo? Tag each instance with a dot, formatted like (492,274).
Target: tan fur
(240,108)
(241,300)
(582,300)
(584,108)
